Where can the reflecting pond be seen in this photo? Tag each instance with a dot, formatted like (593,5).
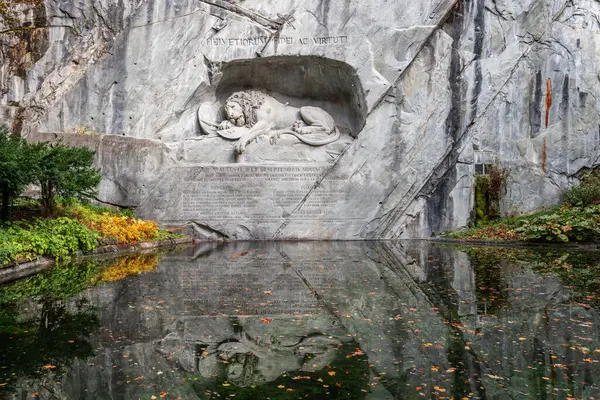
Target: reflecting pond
(288,320)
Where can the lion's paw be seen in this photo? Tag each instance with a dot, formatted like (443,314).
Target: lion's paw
(240,146)
(298,125)
(303,130)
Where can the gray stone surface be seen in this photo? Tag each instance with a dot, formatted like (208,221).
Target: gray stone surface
(420,91)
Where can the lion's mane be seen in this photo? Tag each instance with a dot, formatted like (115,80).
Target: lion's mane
(250,100)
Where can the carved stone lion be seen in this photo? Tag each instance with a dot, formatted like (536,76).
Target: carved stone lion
(251,113)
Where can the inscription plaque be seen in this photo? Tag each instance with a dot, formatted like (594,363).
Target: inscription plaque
(263,192)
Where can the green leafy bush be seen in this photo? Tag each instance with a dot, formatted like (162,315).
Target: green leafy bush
(563,225)
(65,171)
(586,193)
(18,166)
(57,238)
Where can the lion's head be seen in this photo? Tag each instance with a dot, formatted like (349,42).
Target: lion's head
(241,107)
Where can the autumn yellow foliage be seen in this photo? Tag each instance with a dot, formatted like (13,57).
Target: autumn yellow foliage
(128,265)
(114,228)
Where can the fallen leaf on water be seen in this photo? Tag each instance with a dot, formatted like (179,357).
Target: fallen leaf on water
(522,338)
(281,387)
(358,352)
(267,292)
(49,366)
(265,321)
(451,370)
(227,384)
(331,373)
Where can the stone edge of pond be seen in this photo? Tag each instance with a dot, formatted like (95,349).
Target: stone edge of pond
(516,243)
(26,268)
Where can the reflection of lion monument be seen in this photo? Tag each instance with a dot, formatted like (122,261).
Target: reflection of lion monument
(251,113)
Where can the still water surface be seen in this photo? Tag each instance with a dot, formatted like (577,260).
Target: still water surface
(347,320)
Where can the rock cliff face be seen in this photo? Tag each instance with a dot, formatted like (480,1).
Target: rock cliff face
(422,93)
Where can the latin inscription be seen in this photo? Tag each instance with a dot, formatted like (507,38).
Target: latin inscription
(282,40)
(258,192)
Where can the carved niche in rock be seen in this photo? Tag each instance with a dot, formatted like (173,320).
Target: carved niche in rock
(252,113)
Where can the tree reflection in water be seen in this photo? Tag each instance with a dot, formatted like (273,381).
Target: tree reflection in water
(43,341)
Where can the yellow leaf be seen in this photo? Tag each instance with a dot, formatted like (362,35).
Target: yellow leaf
(331,373)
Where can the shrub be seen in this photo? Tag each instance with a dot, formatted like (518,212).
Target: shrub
(65,171)
(563,225)
(586,193)
(56,238)
(17,168)
(113,227)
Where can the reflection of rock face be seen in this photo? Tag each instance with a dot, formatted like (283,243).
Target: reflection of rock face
(244,314)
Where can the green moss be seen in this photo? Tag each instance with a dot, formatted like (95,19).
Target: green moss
(482,183)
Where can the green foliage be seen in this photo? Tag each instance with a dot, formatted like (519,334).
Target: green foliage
(17,167)
(586,193)
(65,171)
(577,269)
(488,192)
(57,238)
(482,182)
(59,283)
(563,225)
(81,228)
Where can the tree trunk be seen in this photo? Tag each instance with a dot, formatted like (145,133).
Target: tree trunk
(5,211)
(46,197)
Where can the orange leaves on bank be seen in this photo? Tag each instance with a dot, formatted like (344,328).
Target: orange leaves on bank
(116,229)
